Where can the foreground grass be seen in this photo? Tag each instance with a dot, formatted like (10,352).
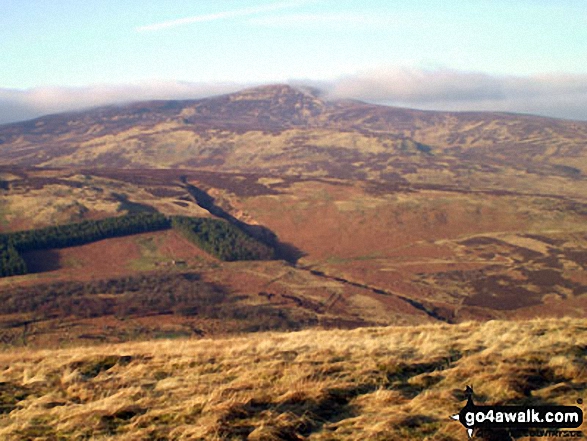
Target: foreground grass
(366,384)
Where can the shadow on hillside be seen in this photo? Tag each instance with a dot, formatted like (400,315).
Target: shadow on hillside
(131,207)
(285,251)
(42,261)
(304,415)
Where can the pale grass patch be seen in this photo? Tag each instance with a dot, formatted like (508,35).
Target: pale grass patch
(569,367)
(31,377)
(269,181)
(525,242)
(375,401)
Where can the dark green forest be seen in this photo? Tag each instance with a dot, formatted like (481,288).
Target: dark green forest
(217,237)
(11,262)
(69,235)
(222,239)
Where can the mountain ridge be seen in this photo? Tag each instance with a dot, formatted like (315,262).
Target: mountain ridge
(225,132)
(302,90)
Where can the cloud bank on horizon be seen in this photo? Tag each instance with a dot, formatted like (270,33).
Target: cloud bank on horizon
(20,105)
(554,95)
(489,55)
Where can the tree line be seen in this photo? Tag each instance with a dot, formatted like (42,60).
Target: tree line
(11,262)
(81,233)
(217,237)
(222,239)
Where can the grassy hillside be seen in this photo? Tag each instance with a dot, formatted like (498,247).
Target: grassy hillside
(392,383)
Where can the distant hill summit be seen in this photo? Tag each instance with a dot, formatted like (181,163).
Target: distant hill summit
(289,129)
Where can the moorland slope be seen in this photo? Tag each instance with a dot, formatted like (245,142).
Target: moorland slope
(378,215)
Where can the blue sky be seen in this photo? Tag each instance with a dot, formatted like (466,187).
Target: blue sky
(523,55)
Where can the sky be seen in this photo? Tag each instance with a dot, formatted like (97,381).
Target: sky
(527,56)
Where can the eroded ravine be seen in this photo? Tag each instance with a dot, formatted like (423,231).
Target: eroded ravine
(284,251)
(291,254)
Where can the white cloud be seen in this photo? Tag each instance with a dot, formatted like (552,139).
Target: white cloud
(557,95)
(18,105)
(221,15)
(418,86)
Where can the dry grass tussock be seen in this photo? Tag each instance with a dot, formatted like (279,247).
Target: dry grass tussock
(365,384)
